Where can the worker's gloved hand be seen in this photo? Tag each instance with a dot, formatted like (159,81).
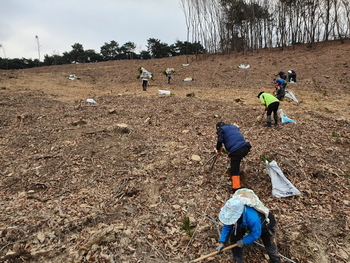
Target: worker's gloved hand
(218,152)
(240,243)
(219,248)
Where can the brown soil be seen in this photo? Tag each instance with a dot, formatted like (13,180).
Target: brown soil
(77,187)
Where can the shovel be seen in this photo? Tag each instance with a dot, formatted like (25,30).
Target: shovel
(213,253)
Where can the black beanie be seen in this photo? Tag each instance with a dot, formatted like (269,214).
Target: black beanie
(220,124)
(260,94)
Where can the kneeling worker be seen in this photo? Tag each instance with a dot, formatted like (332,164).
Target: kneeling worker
(238,219)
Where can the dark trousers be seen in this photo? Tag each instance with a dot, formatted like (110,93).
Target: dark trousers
(268,236)
(236,158)
(280,96)
(235,162)
(144,84)
(292,77)
(273,107)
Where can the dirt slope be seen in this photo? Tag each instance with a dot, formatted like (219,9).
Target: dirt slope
(75,187)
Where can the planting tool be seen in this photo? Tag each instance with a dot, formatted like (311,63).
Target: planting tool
(214,161)
(214,157)
(260,117)
(212,254)
(209,159)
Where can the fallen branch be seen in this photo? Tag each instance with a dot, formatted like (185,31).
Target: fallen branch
(94,132)
(156,250)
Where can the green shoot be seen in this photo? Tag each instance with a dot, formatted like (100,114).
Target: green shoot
(187,226)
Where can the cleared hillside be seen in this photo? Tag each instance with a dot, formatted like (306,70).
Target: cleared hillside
(76,188)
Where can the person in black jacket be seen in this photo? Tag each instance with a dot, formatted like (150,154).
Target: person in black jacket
(235,144)
(292,76)
(282,75)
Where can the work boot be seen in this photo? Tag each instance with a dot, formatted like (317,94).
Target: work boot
(268,125)
(236,181)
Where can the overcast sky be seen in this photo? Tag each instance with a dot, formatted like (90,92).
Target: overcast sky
(59,24)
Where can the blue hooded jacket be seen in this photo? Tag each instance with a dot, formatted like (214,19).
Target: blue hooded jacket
(250,219)
(231,137)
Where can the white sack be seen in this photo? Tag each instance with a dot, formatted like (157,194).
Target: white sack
(290,95)
(244,66)
(281,186)
(91,100)
(163,92)
(284,117)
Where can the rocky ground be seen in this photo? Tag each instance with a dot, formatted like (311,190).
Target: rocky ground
(115,180)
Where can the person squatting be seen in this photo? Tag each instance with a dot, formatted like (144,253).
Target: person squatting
(238,219)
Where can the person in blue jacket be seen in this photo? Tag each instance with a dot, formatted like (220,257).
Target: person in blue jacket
(235,144)
(239,219)
(280,85)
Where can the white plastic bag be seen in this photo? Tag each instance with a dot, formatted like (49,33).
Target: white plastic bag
(163,92)
(290,95)
(281,186)
(244,66)
(284,117)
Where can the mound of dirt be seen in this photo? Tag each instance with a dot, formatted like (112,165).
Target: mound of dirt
(116,180)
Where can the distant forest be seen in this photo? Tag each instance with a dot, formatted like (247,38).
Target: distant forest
(223,26)
(109,51)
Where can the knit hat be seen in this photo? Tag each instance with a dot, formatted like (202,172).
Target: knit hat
(260,94)
(220,124)
(231,211)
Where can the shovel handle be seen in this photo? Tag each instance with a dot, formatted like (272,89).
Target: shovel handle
(213,253)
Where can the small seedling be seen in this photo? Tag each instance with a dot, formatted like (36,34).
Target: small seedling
(326,109)
(264,158)
(223,150)
(347,175)
(187,226)
(316,99)
(334,134)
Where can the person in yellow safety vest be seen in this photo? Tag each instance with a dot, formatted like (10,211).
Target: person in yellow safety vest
(271,104)
(236,145)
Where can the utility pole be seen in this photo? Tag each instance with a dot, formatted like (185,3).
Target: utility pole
(37,41)
(3,49)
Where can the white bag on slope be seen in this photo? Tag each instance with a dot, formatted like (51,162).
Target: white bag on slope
(281,186)
(290,95)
